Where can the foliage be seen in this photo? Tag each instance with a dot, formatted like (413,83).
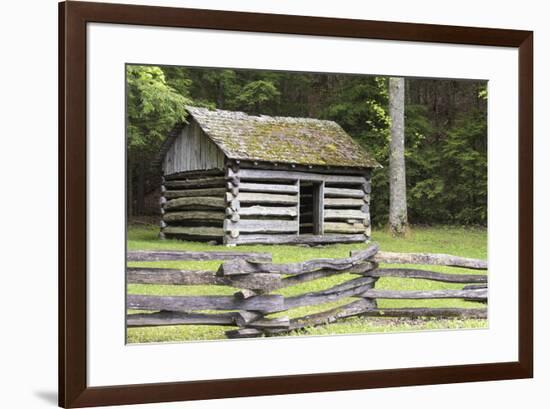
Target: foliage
(153,107)
(467,242)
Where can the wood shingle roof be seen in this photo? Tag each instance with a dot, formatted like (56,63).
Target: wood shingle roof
(302,141)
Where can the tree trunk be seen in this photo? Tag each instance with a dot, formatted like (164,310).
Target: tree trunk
(398,187)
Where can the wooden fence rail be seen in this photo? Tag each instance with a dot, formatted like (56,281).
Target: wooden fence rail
(254,277)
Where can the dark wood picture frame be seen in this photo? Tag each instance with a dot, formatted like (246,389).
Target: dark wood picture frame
(73,388)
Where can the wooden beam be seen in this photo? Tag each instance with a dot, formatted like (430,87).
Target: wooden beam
(318,208)
(193,202)
(192,174)
(261,174)
(268,211)
(350,288)
(262,303)
(235,267)
(170,276)
(268,188)
(343,202)
(165,255)
(430,258)
(261,226)
(164,318)
(429,275)
(267,198)
(194,231)
(194,215)
(217,181)
(173,194)
(344,214)
(341,192)
(344,227)
(480,294)
(299,239)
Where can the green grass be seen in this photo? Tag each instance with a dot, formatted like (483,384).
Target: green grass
(467,242)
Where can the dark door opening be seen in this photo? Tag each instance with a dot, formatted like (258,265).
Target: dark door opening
(311,207)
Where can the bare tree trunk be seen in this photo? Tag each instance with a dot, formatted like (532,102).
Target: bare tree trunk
(398,187)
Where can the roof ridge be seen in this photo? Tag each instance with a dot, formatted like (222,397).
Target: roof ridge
(259,116)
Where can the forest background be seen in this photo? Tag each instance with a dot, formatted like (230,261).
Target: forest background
(445,129)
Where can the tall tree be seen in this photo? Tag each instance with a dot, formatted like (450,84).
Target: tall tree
(153,108)
(398,183)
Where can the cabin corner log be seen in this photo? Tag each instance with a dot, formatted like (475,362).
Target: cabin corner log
(169,255)
(236,267)
(432,259)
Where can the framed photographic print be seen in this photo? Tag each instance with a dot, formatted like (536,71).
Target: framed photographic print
(256,204)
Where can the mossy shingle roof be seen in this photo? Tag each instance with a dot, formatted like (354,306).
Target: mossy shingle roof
(303,141)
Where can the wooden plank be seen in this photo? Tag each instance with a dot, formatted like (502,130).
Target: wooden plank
(198,231)
(429,275)
(363,269)
(343,202)
(268,188)
(443,313)
(194,174)
(163,318)
(267,198)
(194,215)
(170,276)
(262,174)
(173,194)
(480,294)
(431,259)
(344,214)
(334,314)
(244,333)
(367,308)
(261,226)
(234,267)
(273,323)
(318,209)
(268,211)
(217,181)
(166,255)
(350,288)
(331,227)
(299,239)
(262,303)
(193,202)
(341,192)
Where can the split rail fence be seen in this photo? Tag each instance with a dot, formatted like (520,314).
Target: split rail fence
(256,277)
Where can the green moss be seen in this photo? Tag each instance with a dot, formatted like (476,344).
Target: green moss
(303,141)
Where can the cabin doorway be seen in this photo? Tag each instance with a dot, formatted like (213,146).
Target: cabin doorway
(311,207)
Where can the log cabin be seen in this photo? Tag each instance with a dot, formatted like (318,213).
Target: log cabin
(237,179)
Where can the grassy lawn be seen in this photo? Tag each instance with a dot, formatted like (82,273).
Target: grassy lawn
(451,240)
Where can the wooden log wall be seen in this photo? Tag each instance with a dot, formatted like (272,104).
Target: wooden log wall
(280,206)
(193,205)
(263,207)
(254,277)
